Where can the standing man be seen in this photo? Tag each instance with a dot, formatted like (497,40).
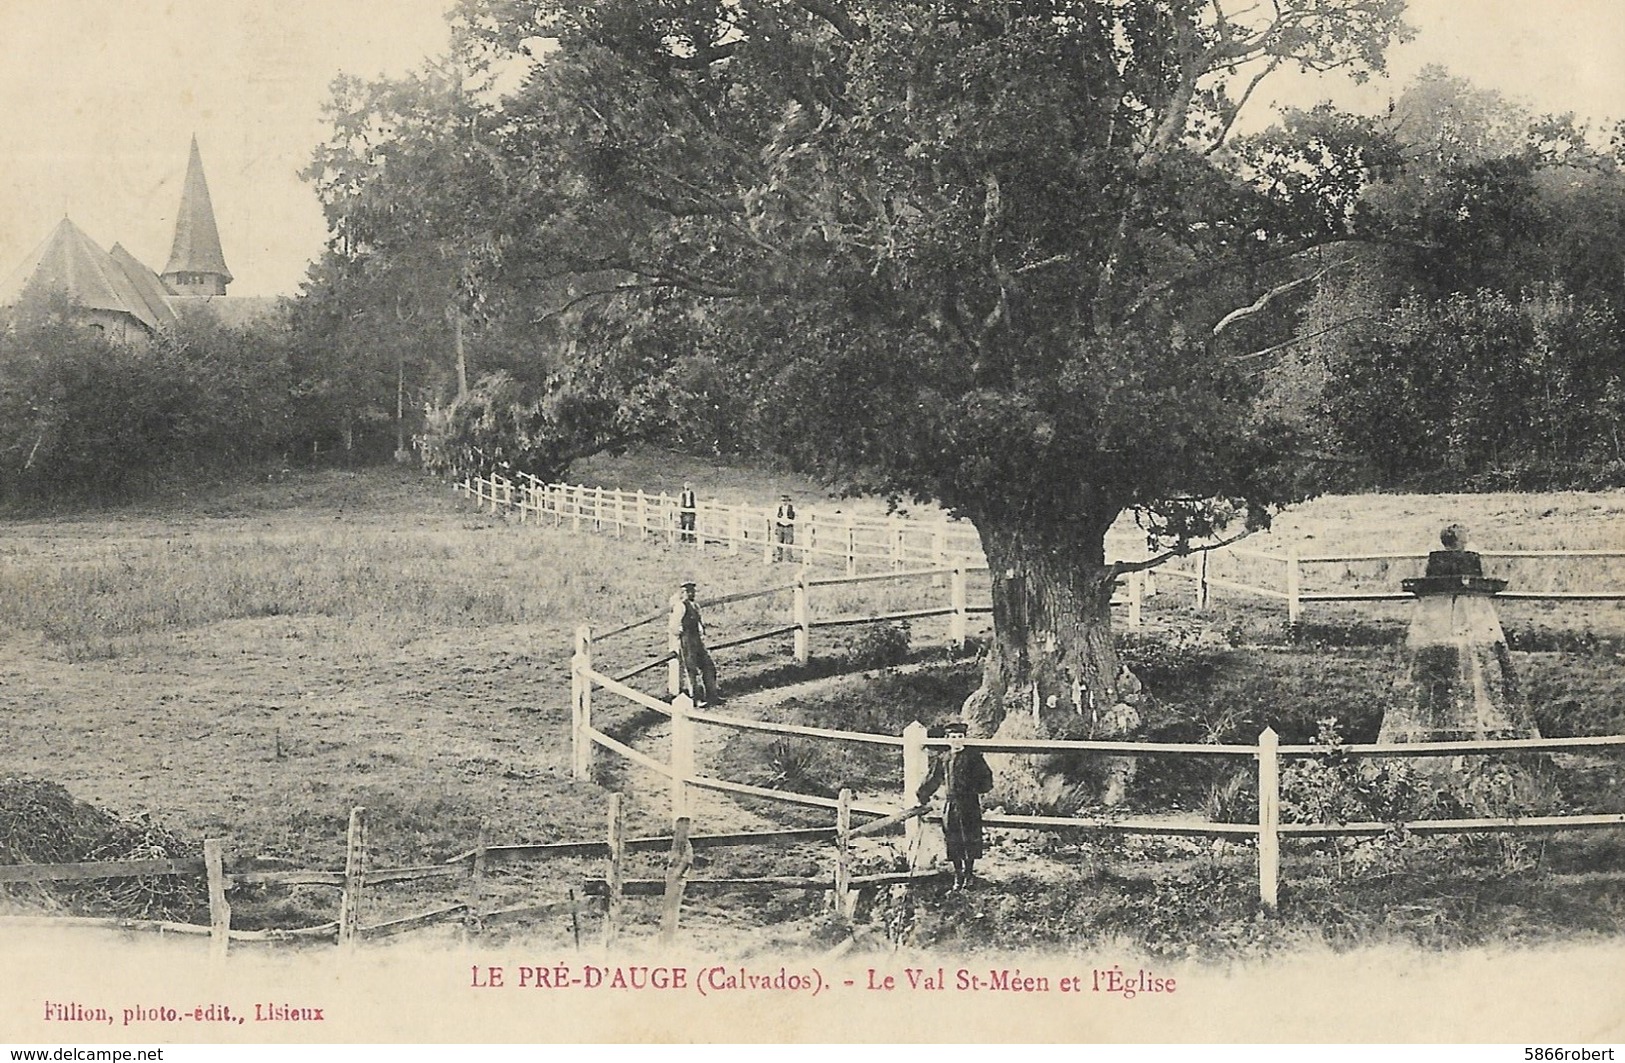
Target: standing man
(784,530)
(963,776)
(698,671)
(687,511)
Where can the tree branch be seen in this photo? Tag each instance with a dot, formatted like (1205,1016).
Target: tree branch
(1269,297)
(1119,568)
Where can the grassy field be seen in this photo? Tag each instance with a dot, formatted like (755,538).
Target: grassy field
(252,663)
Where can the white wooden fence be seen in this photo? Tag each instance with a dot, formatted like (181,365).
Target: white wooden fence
(682,775)
(895,544)
(821,538)
(1297,578)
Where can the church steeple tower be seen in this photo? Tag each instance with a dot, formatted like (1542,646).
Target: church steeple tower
(197,266)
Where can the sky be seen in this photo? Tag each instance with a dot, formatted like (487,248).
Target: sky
(102,97)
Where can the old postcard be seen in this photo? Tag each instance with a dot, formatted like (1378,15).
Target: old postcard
(799,522)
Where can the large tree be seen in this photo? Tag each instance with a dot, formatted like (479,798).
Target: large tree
(994,253)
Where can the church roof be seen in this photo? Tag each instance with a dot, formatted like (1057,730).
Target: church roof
(71,263)
(197,240)
(153,294)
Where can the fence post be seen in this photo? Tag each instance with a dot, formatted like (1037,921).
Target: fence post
(682,754)
(769,537)
(581,702)
(524,495)
(612,874)
(802,618)
(1269,817)
(914,771)
(674,667)
(214,861)
(851,545)
(1136,591)
(1201,581)
(677,866)
(1294,607)
(957,623)
(843,855)
(355,872)
(620,513)
(476,880)
(575,505)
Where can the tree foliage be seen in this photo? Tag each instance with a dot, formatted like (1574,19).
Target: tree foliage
(85,418)
(1475,343)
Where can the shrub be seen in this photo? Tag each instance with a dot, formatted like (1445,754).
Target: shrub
(879,645)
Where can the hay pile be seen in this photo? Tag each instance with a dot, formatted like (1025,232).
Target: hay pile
(41,823)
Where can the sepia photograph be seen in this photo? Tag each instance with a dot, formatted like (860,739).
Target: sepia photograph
(799,522)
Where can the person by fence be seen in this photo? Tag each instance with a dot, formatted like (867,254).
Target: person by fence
(695,667)
(688,509)
(784,530)
(963,777)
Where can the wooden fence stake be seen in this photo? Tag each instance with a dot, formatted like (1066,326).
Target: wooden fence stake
(476,881)
(682,755)
(575,505)
(214,861)
(613,875)
(843,855)
(802,618)
(769,537)
(914,771)
(1136,590)
(1269,818)
(851,546)
(674,667)
(677,867)
(643,514)
(581,744)
(1201,581)
(1294,605)
(668,517)
(620,513)
(355,870)
(958,622)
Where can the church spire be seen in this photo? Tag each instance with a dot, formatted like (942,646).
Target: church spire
(197,266)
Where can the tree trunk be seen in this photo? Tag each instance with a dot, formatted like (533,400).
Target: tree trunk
(462,356)
(1052,670)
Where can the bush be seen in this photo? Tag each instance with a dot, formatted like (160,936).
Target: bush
(82,417)
(879,645)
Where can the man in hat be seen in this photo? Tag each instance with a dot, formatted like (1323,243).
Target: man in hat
(784,530)
(698,671)
(688,508)
(963,776)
